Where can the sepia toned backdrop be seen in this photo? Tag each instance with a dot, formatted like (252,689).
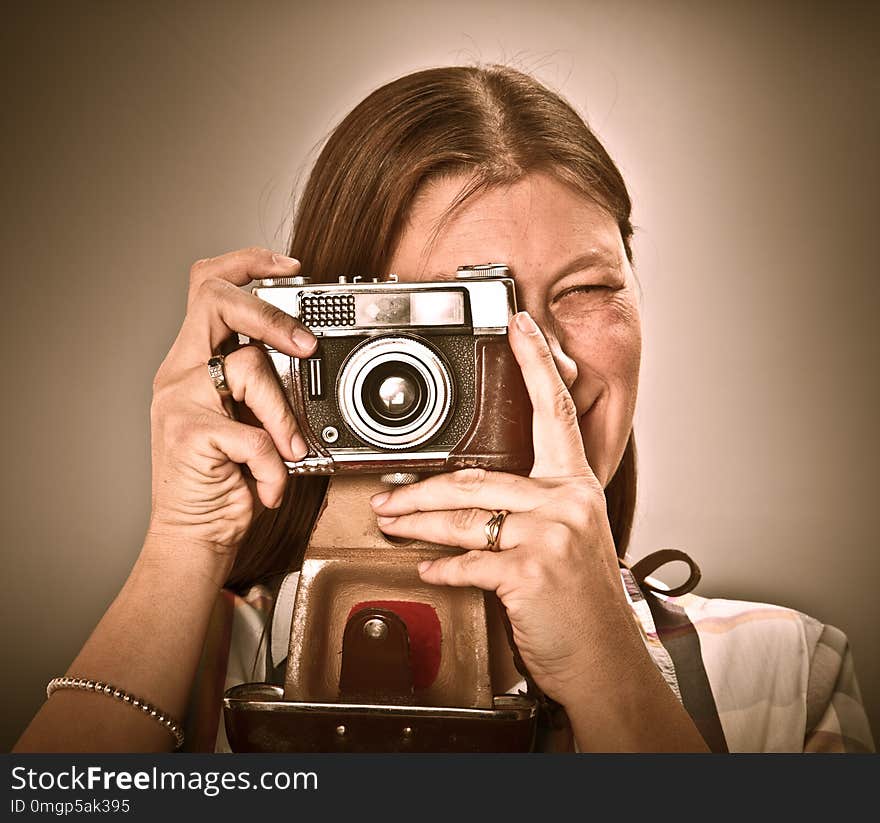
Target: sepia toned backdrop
(140,137)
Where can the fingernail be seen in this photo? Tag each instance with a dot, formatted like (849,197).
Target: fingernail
(378,499)
(298,446)
(525,323)
(382,520)
(424,566)
(305,340)
(282,260)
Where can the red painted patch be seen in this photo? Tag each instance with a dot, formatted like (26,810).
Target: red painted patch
(423,627)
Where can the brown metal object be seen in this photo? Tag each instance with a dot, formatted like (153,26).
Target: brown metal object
(376,665)
(350,561)
(258,719)
(343,694)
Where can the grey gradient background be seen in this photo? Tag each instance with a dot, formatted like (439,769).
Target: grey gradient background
(140,137)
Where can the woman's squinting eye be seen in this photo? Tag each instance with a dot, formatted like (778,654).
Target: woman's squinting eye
(585,289)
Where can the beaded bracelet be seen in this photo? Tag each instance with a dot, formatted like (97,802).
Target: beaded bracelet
(166,722)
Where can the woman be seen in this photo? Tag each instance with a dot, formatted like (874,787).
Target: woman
(438,169)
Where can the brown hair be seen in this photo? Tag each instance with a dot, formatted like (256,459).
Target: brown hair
(491,124)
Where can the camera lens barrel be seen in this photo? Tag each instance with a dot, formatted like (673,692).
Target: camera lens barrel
(395,392)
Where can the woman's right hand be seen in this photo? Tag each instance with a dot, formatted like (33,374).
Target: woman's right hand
(201,496)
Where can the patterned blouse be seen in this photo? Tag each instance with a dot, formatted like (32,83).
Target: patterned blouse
(752,676)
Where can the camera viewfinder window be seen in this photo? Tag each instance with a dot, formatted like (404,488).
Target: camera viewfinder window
(421,308)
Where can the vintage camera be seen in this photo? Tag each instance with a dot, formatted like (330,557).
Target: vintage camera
(407,376)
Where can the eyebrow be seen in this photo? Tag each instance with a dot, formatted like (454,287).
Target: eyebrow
(594,258)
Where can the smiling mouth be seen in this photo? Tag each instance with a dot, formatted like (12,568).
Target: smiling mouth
(585,412)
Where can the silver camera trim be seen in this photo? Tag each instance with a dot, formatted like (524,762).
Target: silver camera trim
(492,301)
(394,348)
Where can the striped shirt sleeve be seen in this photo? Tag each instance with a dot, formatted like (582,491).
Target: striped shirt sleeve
(836,720)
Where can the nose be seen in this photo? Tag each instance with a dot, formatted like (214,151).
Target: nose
(568,369)
(566,366)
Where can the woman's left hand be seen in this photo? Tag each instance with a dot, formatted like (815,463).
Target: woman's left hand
(556,568)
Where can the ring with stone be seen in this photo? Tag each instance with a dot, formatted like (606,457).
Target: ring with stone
(218,375)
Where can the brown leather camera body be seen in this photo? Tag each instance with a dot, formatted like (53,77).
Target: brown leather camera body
(498,436)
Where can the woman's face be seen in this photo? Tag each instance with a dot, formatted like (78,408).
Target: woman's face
(572,275)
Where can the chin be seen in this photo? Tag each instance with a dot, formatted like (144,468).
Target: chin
(604,458)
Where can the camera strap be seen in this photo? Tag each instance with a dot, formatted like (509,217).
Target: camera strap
(649,564)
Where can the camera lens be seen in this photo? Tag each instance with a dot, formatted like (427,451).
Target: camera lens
(394,393)
(397,395)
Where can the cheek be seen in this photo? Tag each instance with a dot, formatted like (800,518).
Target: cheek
(624,352)
(607,343)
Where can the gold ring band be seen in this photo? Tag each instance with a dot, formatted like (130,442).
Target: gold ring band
(493,529)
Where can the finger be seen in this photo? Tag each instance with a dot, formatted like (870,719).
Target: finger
(253,447)
(239,268)
(221,309)
(559,448)
(253,382)
(485,570)
(463,489)
(465,528)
